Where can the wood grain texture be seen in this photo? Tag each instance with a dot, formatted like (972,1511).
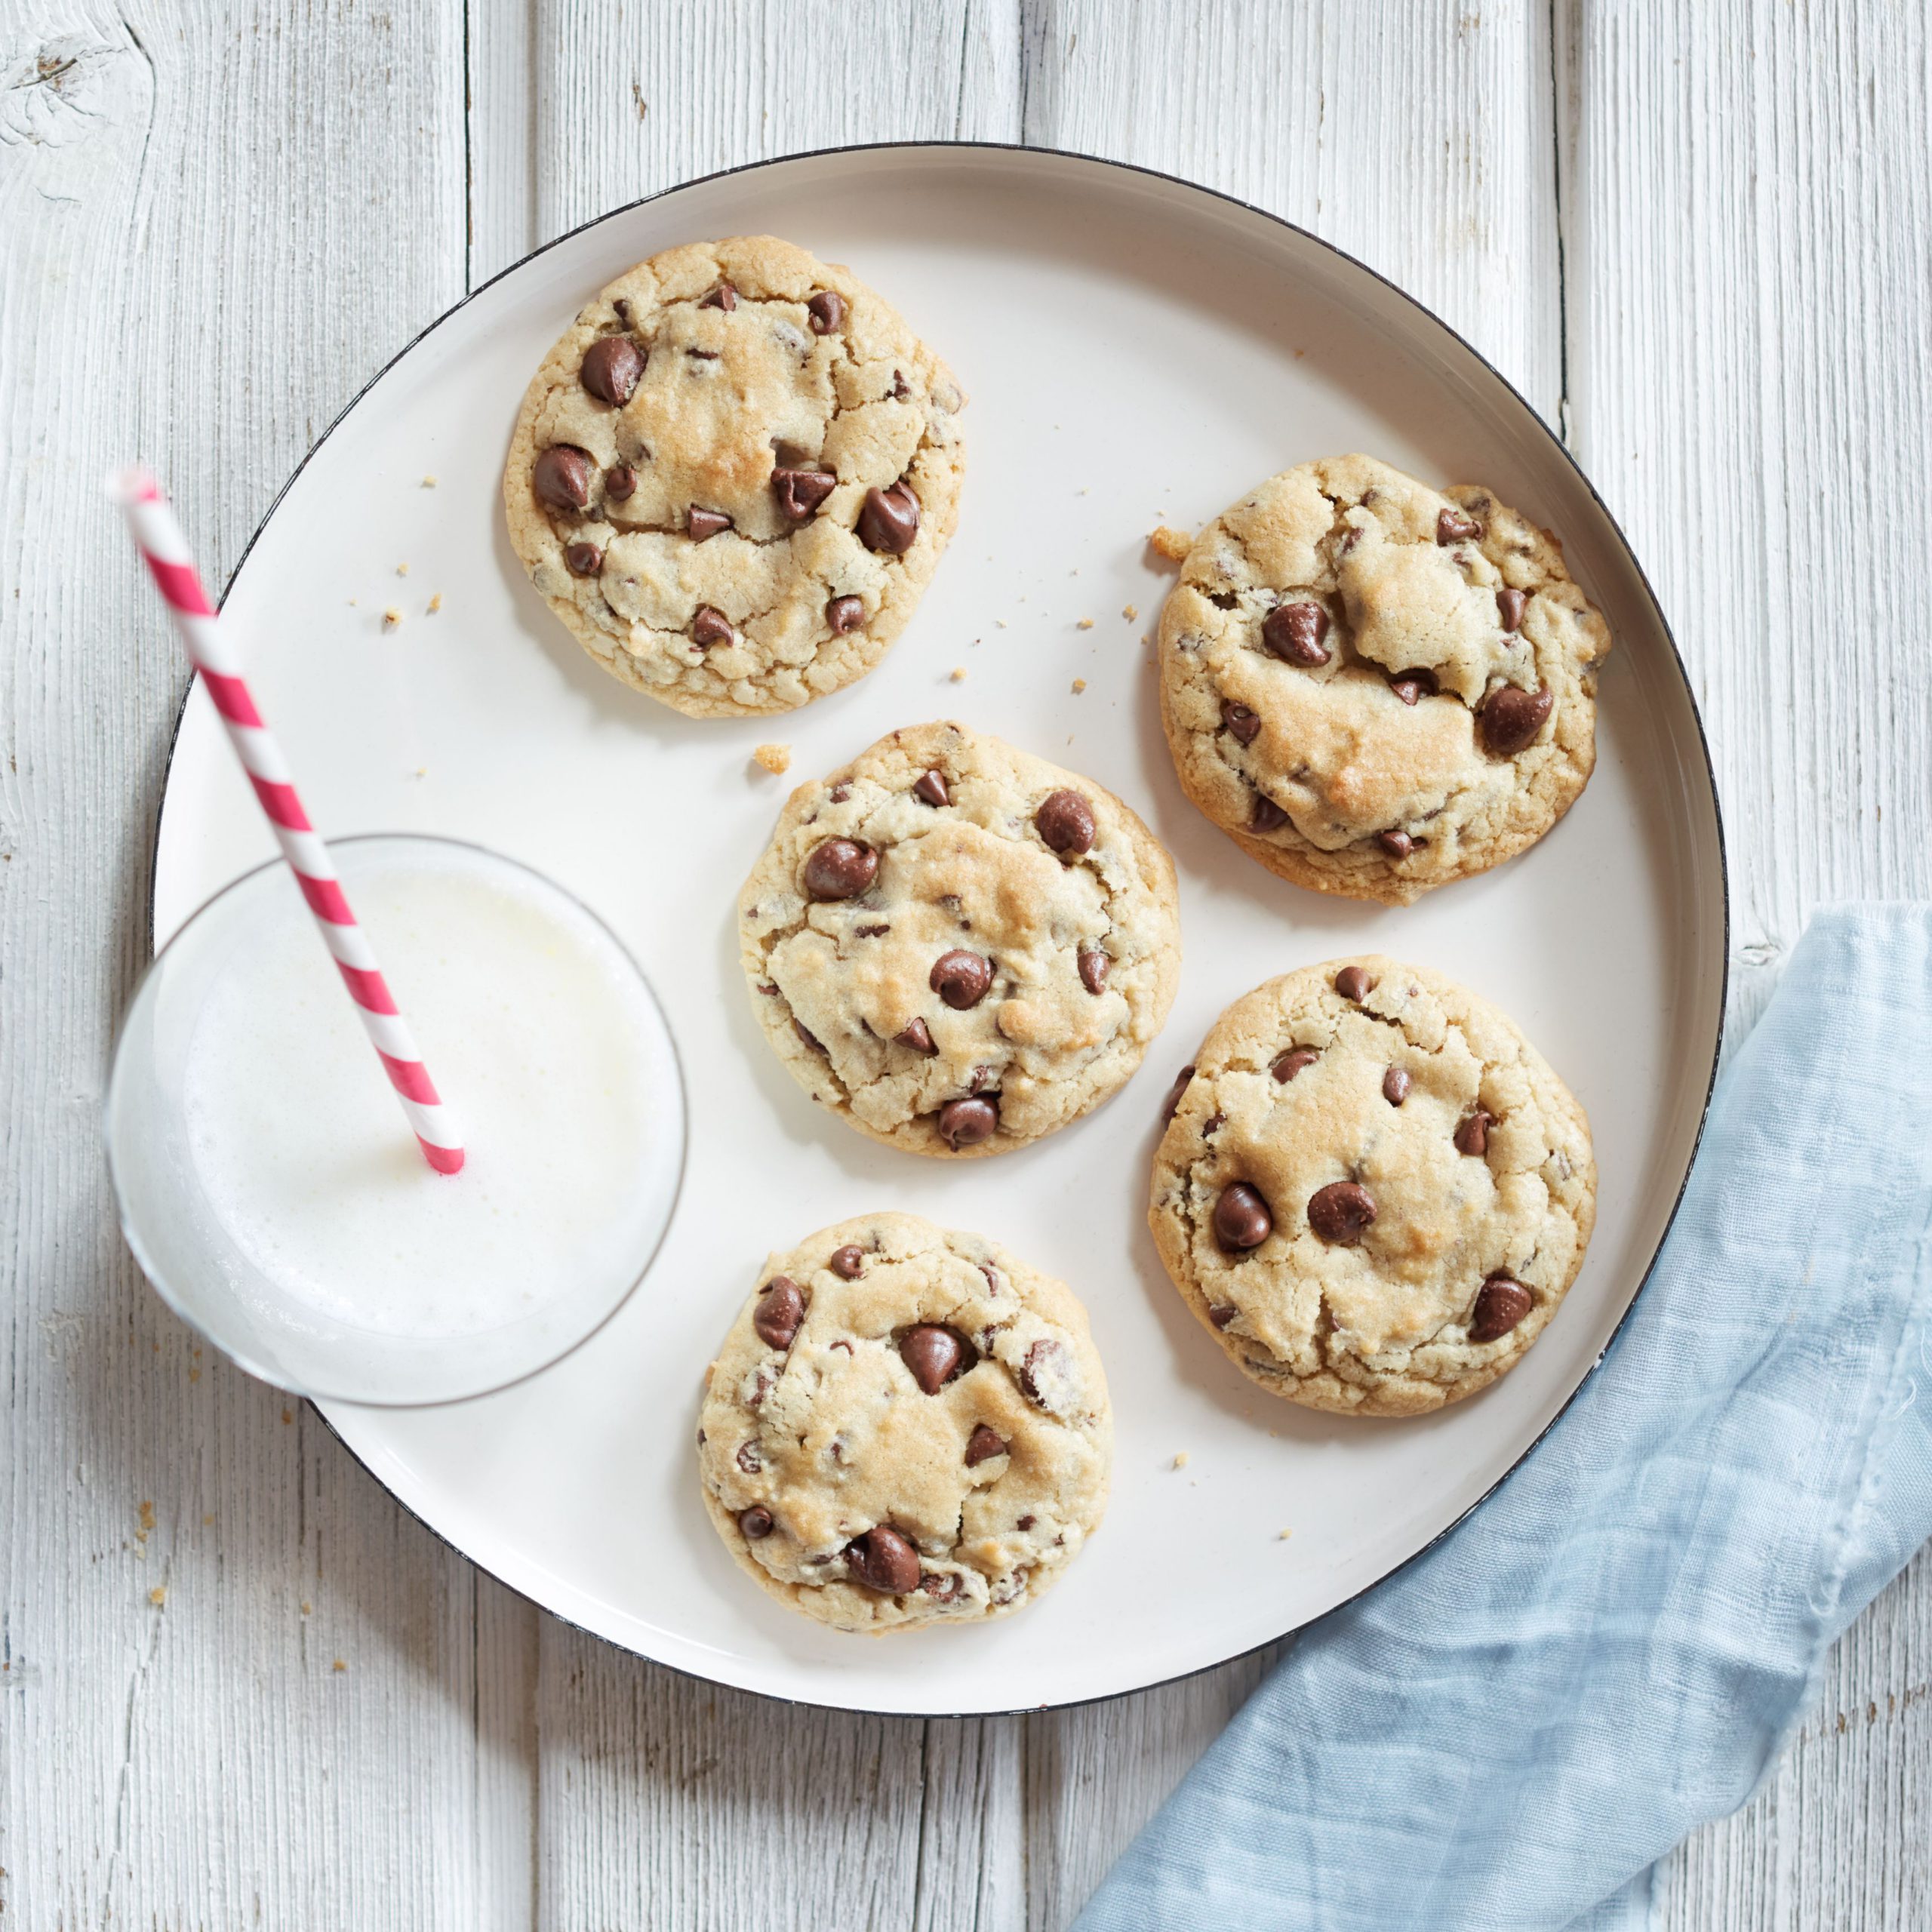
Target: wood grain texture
(1694,236)
(1747,192)
(218,220)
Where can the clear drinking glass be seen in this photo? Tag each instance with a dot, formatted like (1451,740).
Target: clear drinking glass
(272,1190)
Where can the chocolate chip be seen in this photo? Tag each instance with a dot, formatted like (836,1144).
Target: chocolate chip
(611,369)
(1046,1361)
(620,483)
(1026,1522)
(931,787)
(827,310)
(889,519)
(1267,816)
(1213,1125)
(961,978)
(1510,605)
(982,1446)
(1340,1212)
(933,1354)
(1243,723)
(1501,1303)
(917,1035)
(709,627)
(966,1123)
(702,523)
(1353,983)
(839,869)
(561,476)
(624,310)
(942,1589)
(1288,1065)
(1242,1218)
(1294,632)
(1174,1093)
(1398,845)
(584,559)
(1452,527)
(1411,685)
(781,1309)
(1511,717)
(807,1037)
(873,932)
(1395,1086)
(755,1522)
(847,1261)
(840,793)
(749,1459)
(1065,820)
(1472,1135)
(1222,1315)
(1094,964)
(800,491)
(883,1561)
(845,613)
(723,296)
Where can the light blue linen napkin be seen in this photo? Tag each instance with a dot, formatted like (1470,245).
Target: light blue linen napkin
(1617,1645)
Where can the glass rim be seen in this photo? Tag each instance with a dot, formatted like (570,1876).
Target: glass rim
(154,1277)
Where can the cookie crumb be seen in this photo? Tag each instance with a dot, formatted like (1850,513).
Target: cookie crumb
(1170,543)
(1085,624)
(1079,685)
(339,1665)
(288,1415)
(429,482)
(206,1521)
(776,758)
(391,619)
(308,1608)
(1285,1536)
(1000,622)
(958,674)
(1180,1460)
(435,603)
(402,569)
(157,1595)
(1129,611)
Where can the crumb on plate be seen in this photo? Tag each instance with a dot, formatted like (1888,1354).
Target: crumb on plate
(1079,685)
(1180,1460)
(1170,543)
(958,674)
(402,569)
(429,482)
(775,758)
(1129,611)
(391,619)
(1085,624)
(157,1595)
(435,603)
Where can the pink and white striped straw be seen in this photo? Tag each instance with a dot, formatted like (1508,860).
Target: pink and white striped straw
(159,538)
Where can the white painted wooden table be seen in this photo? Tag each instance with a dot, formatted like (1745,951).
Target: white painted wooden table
(237,1686)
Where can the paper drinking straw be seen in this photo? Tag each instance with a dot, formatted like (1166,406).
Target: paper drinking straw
(158,537)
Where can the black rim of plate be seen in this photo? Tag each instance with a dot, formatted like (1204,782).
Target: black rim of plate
(1051,156)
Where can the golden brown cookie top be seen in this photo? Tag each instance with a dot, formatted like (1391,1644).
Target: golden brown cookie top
(1376,687)
(1374,1190)
(958,946)
(905,1426)
(734,475)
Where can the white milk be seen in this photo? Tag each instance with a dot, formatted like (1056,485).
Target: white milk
(539,1034)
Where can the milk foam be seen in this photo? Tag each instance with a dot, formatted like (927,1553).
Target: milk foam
(536,1029)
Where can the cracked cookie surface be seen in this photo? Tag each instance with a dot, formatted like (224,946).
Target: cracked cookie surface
(956,947)
(905,1426)
(1373,1191)
(734,475)
(1374,687)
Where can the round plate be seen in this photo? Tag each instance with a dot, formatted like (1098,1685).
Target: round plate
(1137,350)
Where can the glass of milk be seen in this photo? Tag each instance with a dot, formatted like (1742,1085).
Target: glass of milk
(272,1189)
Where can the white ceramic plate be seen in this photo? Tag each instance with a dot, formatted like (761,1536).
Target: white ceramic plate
(1137,350)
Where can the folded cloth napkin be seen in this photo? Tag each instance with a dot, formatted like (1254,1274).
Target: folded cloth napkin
(1618,1644)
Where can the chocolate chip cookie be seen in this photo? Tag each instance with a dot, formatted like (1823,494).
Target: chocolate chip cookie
(733,477)
(1374,687)
(958,947)
(1372,1189)
(905,1426)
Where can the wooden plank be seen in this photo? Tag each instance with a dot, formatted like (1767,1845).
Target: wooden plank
(1420,140)
(219,218)
(662,1802)
(1417,138)
(1748,189)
